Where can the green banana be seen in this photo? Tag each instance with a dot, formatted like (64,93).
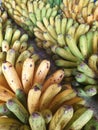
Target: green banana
(18,110)
(79,119)
(21,96)
(8,34)
(37,121)
(82,78)
(1,34)
(85,69)
(73,47)
(9,124)
(92,124)
(24,127)
(61,118)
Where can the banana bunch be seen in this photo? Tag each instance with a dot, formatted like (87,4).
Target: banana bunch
(38,101)
(3,15)
(86,75)
(83,12)
(27,13)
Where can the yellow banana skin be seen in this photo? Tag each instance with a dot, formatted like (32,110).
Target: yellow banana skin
(9,124)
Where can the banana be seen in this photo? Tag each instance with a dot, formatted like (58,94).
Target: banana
(5,46)
(4,111)
(89,42)
(41,72)
(63,25)
(32,18)
(58,25)
(83,45)
(2,56)
(90,90)
(11,56)
(61,98)
(66,64)
(48,13)
(18,68)
(8,34)
(61,118)
(85,69)
(33,98)
(52,31)
(35,57)
(3,81)
(37,121)
(23,47)
(21,96)
(56,77)
(27,74)
(40,36)
(52,21)
(82,78)
(9,123)
(41,26)
(92,62)
(1,34)
(5,93)
(8,70)
(38,14)
(90,8)
(16,36)
(69,24)
(18,110)
(47,114)
(61,40)
(48,95)
(79,119)
(16,45)
(65,54)
(95,42)
(73,47)
(92,123)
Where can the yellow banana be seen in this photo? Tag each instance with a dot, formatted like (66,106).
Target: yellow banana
(33,98)
(95,42)
(48,95)
(27,74)
(5,45)
(56,77)
(41,72)
(13,81)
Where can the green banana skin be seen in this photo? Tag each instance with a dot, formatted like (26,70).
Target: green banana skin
(79,119)
(5,111)
(82,78)
(91,125)
(61,118)
(21,96)
(84,68)
(73,47)
(9,124)
(36,121)
(18,110)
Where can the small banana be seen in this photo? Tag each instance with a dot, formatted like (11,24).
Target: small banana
(61,118)
(18,110)
(95,42)
(8,70)
(8,34)
(58,25)
(61,98)
(27,74)
(5,46)
(41,72)
(1,34)
(79,119)
(48,95)
(36,121)
(63,25)
(33,98)
(56,77)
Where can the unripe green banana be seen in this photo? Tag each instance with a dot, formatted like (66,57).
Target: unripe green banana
(61,118)
(18,110)
(79,119)
(37,121)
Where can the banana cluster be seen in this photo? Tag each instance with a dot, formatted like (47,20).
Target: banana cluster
(37,101)
(86,75)
(80,10)
(27,13)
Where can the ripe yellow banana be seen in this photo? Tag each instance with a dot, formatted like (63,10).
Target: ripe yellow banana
(61,98)
(33,98)
(56,77)
(48,95)
(13,81)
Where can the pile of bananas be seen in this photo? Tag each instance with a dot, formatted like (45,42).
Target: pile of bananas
(80,10)
(36,101)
